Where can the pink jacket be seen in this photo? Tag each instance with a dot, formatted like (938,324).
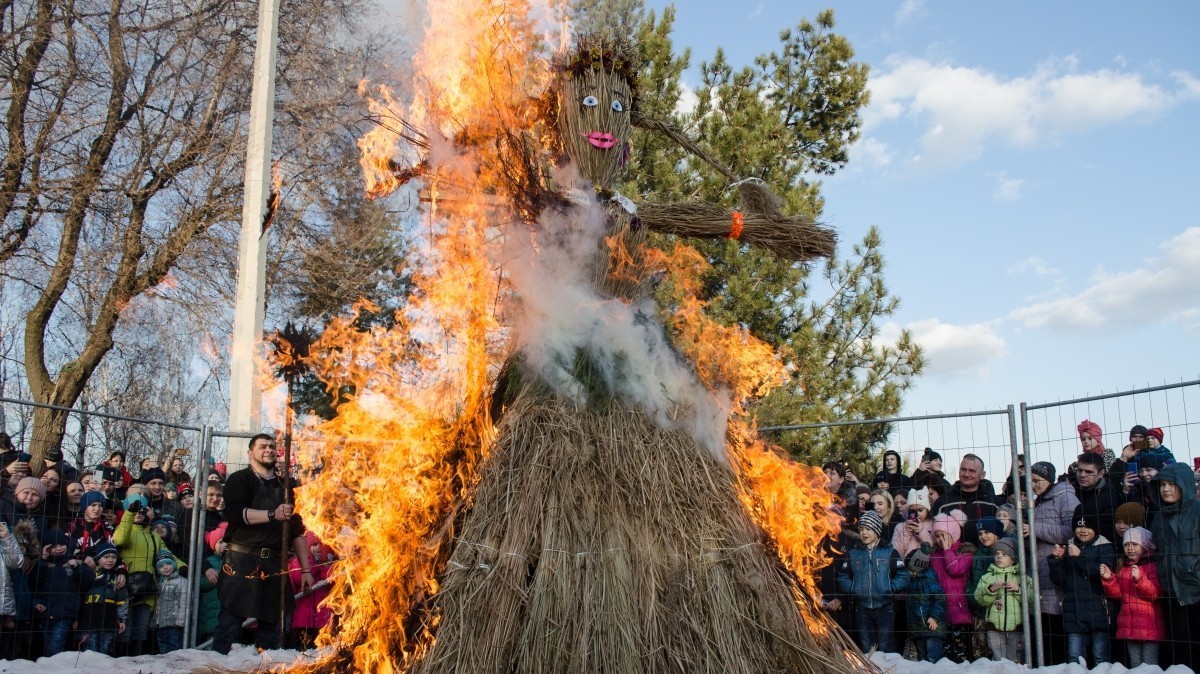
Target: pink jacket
(953,568)
(1141,616)
(904,542)
(309,612)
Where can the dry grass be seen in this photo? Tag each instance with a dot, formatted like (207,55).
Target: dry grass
(790,237)
(600,543)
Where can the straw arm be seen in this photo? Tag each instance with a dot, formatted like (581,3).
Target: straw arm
(789,237)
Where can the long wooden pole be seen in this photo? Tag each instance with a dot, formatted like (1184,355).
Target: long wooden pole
(287,498)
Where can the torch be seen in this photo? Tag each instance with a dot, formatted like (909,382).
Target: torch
(290,348)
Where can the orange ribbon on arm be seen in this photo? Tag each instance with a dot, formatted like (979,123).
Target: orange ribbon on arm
(738,223)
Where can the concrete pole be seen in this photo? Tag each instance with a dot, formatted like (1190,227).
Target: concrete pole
(245,396)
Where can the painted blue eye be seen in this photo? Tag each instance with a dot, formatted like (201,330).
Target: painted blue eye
(590,101)
(616,105)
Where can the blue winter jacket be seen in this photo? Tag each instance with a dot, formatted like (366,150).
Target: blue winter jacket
(1176,530)
(926,599)
(872,576)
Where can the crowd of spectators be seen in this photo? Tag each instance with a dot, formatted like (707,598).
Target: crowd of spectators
(934,569)
(95,559)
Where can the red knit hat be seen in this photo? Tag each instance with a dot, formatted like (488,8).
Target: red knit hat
(1156,432)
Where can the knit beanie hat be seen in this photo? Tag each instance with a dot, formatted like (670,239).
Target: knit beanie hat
(134,498)
(1086,520)
(213,537)
(862,489)
(1152,458)
(55,537)
(1007,546)
(90,497)
(1045,470)
(1010,510)
(918,560)
(1131,513)
(919,497)
(1142,537)
(155,473)
(30,483)
(186,489)
(1156,432)
(952,523)
(871,520)
(102,549)
(1093,429)
(1138,429)
(164,556)
(990,524)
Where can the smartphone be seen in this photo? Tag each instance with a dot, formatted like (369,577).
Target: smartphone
(1132,468)
(913,516)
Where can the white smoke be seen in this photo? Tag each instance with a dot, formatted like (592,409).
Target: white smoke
(552,268)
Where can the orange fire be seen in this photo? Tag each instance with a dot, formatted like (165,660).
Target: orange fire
(385,480)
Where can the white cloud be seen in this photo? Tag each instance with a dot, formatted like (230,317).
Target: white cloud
(908,10)
(1008,189)
(962,110)
(953,350)
(872,152)
(1165,289)
(757,11)
(1033,264)
(687,100)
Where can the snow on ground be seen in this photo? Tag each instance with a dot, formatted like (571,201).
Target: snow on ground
(245,658)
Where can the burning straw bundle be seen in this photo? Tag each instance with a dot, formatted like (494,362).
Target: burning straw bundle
(789,237)
(599,542)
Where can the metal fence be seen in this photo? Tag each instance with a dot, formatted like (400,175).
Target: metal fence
(1047,433)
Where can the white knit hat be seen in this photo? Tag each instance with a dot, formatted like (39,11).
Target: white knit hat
(1141,536)
(919,497)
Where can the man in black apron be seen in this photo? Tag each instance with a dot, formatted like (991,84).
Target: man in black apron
(249,585)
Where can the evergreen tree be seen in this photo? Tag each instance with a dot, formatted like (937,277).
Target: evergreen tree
(787,118)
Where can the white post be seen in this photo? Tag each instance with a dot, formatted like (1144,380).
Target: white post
(245,397)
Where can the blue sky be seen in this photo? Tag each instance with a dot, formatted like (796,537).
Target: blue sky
(1032,169)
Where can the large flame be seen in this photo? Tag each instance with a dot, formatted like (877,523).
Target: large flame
(386,479)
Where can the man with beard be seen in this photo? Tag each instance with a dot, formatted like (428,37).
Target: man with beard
(249,584)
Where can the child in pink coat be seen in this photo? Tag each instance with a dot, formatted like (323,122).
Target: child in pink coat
(310,616)
(952,565)
(1140,622)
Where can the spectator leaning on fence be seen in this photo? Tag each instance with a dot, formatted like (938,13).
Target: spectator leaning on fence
(1076,569)
(1175,528)
(871,575)
(1053,505)
(1135,583)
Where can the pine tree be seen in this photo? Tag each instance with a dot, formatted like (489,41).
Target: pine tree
(789,117)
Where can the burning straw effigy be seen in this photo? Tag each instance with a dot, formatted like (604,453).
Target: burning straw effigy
(584,494)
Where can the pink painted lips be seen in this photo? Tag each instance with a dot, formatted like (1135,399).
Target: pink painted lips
(601,139)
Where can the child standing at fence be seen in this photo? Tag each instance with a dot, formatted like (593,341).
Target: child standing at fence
(872,573)
(999,592)
(105,606)
(1087,614)
(926,606)
(58,581)
(917,527)
(171,610)
(1140,622)
(952,564)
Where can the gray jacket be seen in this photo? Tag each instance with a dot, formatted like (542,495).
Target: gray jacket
(171,607)
(13,558)
(1052,526)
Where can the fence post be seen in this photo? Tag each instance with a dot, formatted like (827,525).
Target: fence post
(1037,585)
(191,622)
(1015,477)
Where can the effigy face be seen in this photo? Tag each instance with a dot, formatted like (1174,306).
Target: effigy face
(593,121)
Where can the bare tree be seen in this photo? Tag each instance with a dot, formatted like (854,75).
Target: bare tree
(123,142)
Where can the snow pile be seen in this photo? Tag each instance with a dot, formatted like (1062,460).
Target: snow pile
(246,658)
